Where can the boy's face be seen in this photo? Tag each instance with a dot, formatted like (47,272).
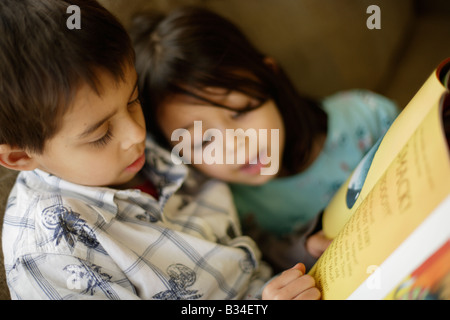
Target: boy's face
(102,138)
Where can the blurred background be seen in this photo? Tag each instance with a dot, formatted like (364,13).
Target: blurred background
(325,45)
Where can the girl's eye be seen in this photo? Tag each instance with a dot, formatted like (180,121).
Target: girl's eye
(103,141)
(251,106)
(239,114)
(206,142)
(201,145)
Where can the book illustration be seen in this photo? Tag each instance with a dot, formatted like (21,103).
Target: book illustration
(430,281)
(358,177)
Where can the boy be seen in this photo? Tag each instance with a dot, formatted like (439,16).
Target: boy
(76,225)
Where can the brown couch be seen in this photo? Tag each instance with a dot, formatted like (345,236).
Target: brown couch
(325,46)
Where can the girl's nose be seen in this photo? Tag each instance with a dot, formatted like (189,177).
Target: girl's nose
(240,144)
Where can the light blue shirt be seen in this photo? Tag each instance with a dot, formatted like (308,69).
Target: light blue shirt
(356,120)
(67,241)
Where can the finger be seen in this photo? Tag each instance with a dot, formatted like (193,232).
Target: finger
(325,242)
(295,288)
(301,267)
(309,294)
(273,287)
(317,244)
(285,278)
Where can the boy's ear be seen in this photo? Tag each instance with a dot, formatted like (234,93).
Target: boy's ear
(16,159)
(272,63)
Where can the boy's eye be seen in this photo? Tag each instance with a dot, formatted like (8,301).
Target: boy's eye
(135,101)
(103,141)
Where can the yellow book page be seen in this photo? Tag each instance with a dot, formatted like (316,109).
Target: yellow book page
(414,184)
(338,210)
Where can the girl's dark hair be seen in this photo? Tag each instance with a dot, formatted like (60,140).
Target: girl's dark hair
(43,62)
(195,48)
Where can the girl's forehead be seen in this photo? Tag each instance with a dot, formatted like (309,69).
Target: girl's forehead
(219,82)
(211,97)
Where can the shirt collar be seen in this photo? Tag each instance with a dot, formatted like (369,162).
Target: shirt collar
(160,169)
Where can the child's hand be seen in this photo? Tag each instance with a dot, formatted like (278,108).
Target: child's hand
(317,243)
(292,284)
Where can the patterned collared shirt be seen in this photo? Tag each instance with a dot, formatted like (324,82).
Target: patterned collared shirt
(67,241)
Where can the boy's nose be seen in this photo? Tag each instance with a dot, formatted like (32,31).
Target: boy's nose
(134,133)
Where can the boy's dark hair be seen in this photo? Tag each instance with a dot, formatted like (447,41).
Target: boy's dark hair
(43,63)
(195,48)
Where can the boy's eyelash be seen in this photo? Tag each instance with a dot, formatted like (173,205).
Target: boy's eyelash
(103,141)
(137,100)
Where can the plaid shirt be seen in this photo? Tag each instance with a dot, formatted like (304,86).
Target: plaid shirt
(67,241)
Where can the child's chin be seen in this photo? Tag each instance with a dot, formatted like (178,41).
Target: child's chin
(256,180)
(125,182)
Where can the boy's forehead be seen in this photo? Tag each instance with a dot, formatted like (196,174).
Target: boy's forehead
(90,102)
(106,88)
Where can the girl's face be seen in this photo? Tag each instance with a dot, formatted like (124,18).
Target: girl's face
(243,136)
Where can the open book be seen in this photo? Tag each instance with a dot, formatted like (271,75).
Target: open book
(391,220)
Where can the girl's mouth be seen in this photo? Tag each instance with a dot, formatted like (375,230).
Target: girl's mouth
(251,168)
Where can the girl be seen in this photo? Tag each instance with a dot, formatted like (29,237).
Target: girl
(197,67)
